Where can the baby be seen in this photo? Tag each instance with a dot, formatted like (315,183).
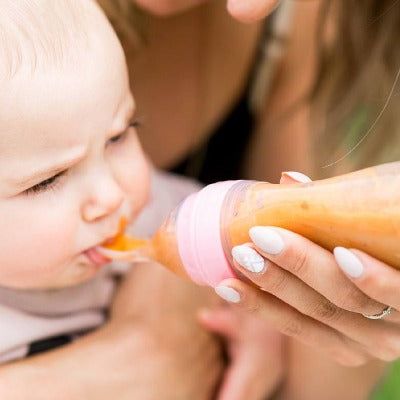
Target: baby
(70,167)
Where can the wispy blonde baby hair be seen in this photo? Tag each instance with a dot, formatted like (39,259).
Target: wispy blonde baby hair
(37,34)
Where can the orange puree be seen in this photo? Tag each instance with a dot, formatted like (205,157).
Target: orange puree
(123,242)
(360,210)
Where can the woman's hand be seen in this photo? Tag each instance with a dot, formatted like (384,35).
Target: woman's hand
(122,360)
(251,10)
(255,350)
(187,359)
(318,297)
(152,348)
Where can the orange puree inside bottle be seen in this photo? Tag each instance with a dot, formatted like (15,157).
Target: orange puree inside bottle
(360,210)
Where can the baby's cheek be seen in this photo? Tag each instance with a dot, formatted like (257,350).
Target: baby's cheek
(36,248)
(55,239)
(135,181)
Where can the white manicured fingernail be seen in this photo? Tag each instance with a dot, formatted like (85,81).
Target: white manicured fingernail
(228,294)
(267,239)
(248,258)
(297,176)
(349,262)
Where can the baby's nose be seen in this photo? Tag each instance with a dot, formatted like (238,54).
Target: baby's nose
(105,198)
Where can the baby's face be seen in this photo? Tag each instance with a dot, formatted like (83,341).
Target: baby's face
(70,166)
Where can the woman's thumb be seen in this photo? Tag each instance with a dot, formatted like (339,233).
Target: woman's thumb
(221,320)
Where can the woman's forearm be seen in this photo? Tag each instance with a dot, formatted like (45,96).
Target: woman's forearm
(36,378)
(311,375)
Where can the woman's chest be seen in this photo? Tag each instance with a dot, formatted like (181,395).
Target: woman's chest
(187,76)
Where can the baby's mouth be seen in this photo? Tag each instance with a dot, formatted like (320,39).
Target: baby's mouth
(122,247)
(95,254)
(96,258)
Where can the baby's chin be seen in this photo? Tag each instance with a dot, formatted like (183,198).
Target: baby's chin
(72,274)
(79,270)
(75,274)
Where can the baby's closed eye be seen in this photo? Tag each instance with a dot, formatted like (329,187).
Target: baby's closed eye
(47,184)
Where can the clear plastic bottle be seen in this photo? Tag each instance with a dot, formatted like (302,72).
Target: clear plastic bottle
(359,210)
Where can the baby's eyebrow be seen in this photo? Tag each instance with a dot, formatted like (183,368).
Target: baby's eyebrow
(72,158)
(129,118)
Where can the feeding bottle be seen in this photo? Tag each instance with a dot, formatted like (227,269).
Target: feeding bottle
(358,210)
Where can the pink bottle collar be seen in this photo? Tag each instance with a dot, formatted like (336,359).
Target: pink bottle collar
(199,235)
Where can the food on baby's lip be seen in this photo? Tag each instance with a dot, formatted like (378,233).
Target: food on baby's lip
(125,243)
(122,246)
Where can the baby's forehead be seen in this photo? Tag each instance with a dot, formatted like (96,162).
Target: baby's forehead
(57,52)
(44,34)
(46,89)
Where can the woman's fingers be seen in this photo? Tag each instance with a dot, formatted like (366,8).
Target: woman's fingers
(292,323)
(307,301)
(253,374)
(256,362)
(375,278)
(312,264)
(251,10)
(306,277)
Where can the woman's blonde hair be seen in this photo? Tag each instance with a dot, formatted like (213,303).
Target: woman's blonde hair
(357,85)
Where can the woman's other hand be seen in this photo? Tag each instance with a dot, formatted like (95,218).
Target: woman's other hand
(251,10)
(319,297)
(152,348)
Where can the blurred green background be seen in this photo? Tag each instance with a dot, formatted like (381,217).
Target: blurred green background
(390,387)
